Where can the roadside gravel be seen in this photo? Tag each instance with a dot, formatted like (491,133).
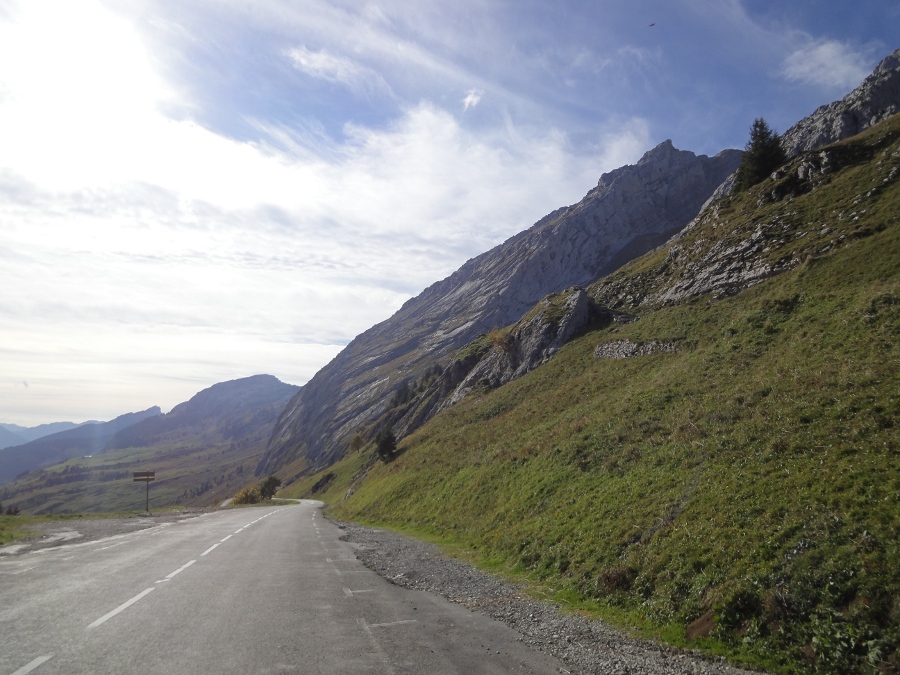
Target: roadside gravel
(584,645)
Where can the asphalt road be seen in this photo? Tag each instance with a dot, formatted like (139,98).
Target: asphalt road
(256,590)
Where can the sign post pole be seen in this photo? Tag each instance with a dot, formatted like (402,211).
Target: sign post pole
(145,477)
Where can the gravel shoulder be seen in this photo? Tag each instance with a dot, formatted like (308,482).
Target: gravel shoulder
(80,530)
(584,645)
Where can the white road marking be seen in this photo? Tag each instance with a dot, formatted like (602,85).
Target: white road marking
(112,546)
(226,538)
(180,569)
(384,657)
(209,550)
(162,581)
(350,593)
(239,531)
(121,608)
(392,623)
(28,667)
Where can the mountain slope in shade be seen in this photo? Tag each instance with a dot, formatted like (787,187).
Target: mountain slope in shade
(82,440)
(28,434)
(9,437)
(202,451)
(632,209)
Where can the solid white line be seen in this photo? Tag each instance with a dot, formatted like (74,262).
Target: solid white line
(226,538)
(28,667)
(209,550)
(121,608)
(180,569)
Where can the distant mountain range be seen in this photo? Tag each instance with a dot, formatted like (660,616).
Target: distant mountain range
(203,450)
(13,434)
(58,447)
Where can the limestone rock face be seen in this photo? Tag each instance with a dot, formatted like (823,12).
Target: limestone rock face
(632,210)
(535,339)
(876,99)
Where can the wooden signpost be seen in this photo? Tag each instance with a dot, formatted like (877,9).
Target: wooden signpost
(145,477)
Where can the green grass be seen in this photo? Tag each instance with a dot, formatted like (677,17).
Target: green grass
(753,473)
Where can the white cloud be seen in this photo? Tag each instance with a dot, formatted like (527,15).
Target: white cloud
(829,64)
(144,258)
(472,99)
(338,70)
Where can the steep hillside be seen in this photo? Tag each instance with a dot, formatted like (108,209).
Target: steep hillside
(202,452)
(727,464)
(631,210)
(81,440)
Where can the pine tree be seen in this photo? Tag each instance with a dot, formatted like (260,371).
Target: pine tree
(386,444)
(762,155)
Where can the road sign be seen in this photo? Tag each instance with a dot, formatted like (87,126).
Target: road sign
(145,477)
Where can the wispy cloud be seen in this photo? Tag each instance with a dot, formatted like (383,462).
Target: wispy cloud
(340,70)
(832,65)
(472,99)
(159,253)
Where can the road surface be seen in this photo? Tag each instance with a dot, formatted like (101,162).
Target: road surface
(256,590)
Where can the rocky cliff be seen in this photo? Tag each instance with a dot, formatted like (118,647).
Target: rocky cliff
(630,211)
(876,99)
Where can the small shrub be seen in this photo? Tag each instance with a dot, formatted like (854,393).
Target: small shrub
(249,495)
(500,340)
(269,486)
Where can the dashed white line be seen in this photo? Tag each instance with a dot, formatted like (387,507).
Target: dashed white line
(209,550)
(239,531)
(226,538)
(392,623)
(121,608)
(28,667)
(112,546)
(180,569)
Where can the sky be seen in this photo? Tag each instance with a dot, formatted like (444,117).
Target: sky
(193,192)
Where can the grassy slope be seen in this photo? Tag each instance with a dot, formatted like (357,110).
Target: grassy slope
(753,473)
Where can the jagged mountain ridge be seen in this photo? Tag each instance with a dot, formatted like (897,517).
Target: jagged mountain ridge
(874,100)
(632,210)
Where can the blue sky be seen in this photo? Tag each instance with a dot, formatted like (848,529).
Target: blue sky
(194,192)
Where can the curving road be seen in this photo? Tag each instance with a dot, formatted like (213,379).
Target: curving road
(259,590)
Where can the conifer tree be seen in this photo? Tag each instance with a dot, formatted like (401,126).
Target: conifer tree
(762,155)
(386,444)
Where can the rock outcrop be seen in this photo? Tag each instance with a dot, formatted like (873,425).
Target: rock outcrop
(718,258)
(632,210)
(876,99)
(503,356)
